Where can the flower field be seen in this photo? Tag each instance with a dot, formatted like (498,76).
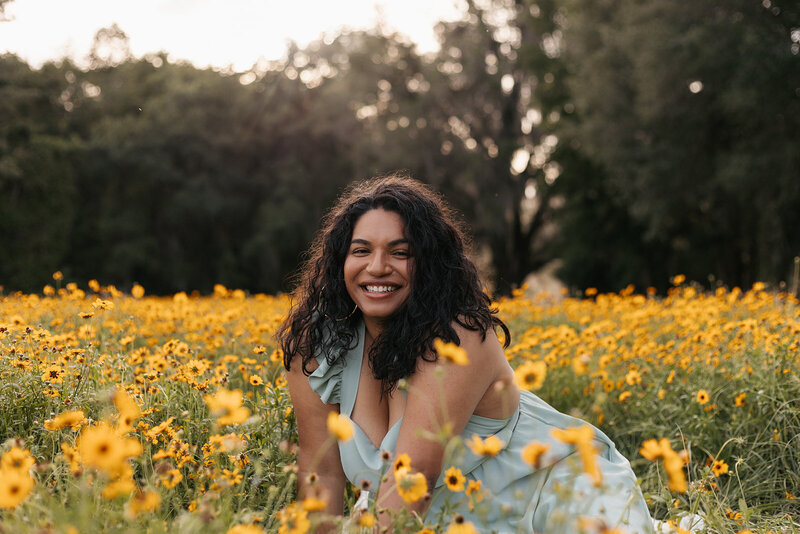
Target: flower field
(138,414)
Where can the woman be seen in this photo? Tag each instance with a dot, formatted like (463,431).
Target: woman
(386,276)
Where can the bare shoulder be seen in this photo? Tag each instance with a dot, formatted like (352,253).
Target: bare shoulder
(296,367)
(481,348)
(486,357)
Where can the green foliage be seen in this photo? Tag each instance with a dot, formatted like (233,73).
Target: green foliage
(688,111)
(631,140)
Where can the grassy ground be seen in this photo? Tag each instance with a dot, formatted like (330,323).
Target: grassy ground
(716,375)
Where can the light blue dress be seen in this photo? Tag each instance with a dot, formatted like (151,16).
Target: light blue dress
(518,498)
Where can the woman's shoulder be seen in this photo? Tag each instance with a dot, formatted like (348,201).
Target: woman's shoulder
(478,342)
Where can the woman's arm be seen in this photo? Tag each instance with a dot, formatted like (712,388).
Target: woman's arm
(317,453)
(442,394)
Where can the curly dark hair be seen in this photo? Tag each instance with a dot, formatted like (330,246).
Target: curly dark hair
(445,287)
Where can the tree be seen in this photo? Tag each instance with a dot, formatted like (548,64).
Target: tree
(689,110)
(37,182)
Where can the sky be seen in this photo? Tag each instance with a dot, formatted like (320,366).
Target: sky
(217,33)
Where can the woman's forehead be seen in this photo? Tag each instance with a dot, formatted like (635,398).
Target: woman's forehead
(379,224)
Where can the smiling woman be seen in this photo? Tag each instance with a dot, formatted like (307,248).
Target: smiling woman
(388,292)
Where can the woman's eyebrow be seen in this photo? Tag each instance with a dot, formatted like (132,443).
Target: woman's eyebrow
(401,241)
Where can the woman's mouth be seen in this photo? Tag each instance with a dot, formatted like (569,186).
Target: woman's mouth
(370,288)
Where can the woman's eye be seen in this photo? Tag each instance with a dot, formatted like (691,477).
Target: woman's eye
(359,251)
(402,253)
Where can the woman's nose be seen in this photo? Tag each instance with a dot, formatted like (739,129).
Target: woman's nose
(378,264)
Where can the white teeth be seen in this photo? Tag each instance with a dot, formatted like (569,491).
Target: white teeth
(380,289)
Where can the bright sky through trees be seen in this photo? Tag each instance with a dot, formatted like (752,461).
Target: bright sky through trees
(218,33)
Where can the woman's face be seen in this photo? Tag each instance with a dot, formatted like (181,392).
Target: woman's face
(377,269)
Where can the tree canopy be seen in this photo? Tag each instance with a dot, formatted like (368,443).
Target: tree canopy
(631,140)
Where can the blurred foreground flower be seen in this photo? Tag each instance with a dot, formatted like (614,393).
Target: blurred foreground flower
(340,426)
(450,352)
(103,447)
(143,501)
(14,488)
(129,411)
(673,462)
(532,453)
(245,529)
(485,447)
(411,486)
(461,526)
(581,437)
(17,459)
(293,519)
(531,375)
(73,419)
(227,406)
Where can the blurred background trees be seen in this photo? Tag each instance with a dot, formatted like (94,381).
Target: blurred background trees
(630,140)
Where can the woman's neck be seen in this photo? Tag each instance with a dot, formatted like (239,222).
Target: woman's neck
(372,329)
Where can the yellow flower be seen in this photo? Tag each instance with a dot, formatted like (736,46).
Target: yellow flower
(739,400)
(652,449)
(633,377)
(450,352)
(129,411)
(719,467)
(367,520)
(73,419)
(137,291)
(17,459)
(58,275)
(339,426)
(474,486)
(227,406)
(425,530)
(673,465)
(122,485)
(625,395)
(256,380)
(486,447)
(702,396)
(678,279)
(532,453)
(171,478)
(245,529)
(72,457)
(143,501)
(582,437)
(53,374)
(293,520)
(461,526)
(100,304)
(102,447)
(531,375)
(402,460)
(580,364)
(14,488)
(673,462)
(411,486)
(314,504)
(454,479)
